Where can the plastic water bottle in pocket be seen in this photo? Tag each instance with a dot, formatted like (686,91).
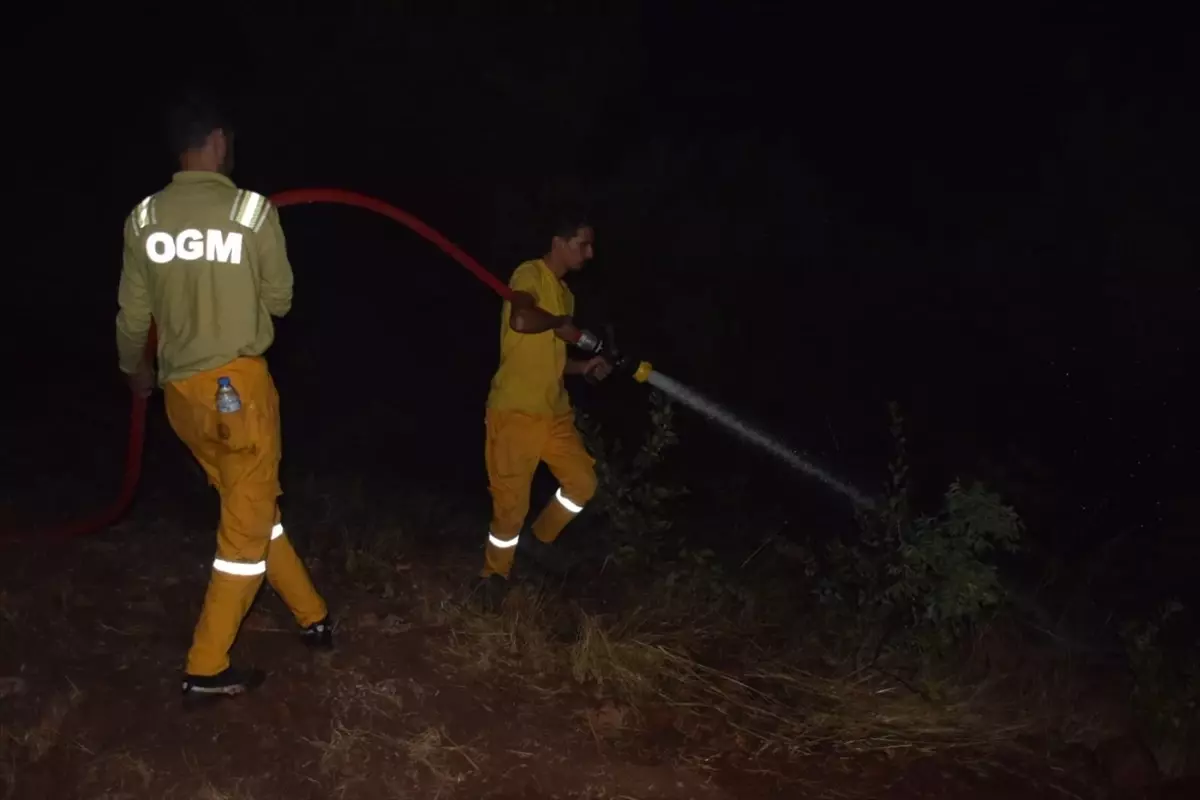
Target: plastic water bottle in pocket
(228,400)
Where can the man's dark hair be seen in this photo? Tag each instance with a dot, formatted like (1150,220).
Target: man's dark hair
(565,221)
(191,119)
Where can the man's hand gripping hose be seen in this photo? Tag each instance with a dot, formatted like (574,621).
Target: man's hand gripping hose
(618,362)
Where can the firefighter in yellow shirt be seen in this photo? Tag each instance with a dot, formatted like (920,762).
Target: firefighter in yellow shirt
(529,414)
(208,262)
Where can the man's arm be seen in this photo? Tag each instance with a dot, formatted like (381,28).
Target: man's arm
(275,268)
(135,314)
(527,317)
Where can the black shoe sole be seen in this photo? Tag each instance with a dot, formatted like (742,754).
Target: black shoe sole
(484,595)
(199,699)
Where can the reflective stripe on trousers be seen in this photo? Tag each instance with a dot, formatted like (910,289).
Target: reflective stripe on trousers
(550,522)
(242,568)
(503,544)
(567,503)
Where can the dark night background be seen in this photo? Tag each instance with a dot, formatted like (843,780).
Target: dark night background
(987,216)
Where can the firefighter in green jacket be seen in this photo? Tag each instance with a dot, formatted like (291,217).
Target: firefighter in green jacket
(207,262)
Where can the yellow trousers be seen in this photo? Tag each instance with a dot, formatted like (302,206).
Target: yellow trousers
(516,444)
(240,452)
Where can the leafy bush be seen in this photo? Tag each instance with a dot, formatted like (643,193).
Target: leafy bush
(943,573)
(928,577)
(1166,690)
(628,496)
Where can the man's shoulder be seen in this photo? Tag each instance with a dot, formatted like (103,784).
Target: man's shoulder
(528,272)
(144,214)
(250,209)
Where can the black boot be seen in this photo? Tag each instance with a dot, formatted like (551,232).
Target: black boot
(544,555)
(318,636)
(489,593)
(230,682)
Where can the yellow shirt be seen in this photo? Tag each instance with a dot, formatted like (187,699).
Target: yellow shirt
(530,376)
(208,262)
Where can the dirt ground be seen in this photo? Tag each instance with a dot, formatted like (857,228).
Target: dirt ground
(413,703)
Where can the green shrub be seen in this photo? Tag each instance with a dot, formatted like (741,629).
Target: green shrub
(634,504)
(921,581)
(1166,684)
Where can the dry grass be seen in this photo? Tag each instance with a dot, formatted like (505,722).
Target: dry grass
(521,636)
(121,773)
(30,746)
(612,659)
(783,710)
(363,748)
(44,736)
(761,704)
(353,694)
(345,750)
(352,755)
(437,752)
(776,708)
(210,792)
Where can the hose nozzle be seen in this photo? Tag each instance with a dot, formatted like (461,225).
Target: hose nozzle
(606,348)
(589,342)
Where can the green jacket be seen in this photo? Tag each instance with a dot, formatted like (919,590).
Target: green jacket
(207,262)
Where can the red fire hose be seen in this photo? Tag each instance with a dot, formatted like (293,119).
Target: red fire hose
(137,416)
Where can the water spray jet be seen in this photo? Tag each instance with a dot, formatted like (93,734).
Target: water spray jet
(644,372)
